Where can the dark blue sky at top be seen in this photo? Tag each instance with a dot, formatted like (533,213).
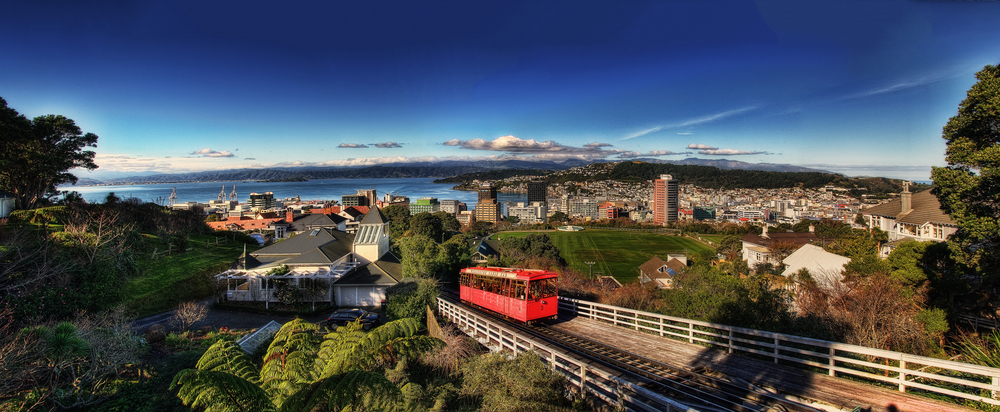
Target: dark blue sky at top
(858,87)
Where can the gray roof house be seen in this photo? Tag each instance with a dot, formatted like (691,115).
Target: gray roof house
(325,264)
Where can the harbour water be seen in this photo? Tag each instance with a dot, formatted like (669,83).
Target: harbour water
(323,189)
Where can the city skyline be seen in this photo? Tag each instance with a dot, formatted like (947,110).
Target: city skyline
(859,88)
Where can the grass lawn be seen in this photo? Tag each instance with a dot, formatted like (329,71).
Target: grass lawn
(168,280)
(616,252)
(715,239)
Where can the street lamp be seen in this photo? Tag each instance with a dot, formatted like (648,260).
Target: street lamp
(591,266)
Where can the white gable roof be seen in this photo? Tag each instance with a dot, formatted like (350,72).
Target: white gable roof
(825,267)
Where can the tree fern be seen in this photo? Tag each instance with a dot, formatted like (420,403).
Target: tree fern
(227,356)
(289,364)
(354,390)
(218,391)
(366,351)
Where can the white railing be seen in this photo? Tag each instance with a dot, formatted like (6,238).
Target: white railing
(598,382)
(906,372)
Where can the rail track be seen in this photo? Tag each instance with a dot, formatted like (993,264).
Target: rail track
(702,389)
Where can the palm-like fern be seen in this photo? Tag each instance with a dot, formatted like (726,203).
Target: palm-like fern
(353,349)
(288,364)
(353,389)
(304,370)
(219,391)
(227,356)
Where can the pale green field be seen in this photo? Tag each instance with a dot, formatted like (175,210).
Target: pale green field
(617,253)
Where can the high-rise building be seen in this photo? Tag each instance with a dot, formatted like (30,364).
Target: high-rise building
(665,199)
(488,210)
(538,193)
(261,201)
(487,191)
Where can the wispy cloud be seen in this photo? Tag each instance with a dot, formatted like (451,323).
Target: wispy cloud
(353,146)
(916,81)
(701,147)
(208,152)
(595,144)
(388,145)
(729,152)
(691,122)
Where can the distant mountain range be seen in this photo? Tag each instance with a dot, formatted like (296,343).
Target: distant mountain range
(404,170)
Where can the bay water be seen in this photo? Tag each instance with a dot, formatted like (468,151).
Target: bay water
(321,189)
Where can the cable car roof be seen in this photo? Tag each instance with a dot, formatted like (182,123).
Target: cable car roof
(511,273)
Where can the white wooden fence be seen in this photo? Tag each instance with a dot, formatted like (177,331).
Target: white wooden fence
(906,372)
(597,381)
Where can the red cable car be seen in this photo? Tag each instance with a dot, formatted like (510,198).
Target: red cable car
(522,294)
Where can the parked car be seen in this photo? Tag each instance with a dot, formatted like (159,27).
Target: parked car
(341,317)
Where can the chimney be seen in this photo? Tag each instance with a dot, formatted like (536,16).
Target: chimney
(289,215)
(905,200)
(812,229)
(764,234)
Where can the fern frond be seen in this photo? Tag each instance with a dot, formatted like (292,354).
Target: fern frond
(219,392)
(227,356)
(344,392)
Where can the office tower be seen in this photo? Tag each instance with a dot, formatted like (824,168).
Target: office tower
(664,200)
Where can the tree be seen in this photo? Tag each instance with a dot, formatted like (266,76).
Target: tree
(422,257)
(969,187)
(448,221)
(558,217)
(36,155)
(426,224)
(399,219)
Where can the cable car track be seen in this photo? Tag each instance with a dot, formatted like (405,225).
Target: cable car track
(696,388)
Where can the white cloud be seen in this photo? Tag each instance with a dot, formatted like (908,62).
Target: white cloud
(701,147)
(388,145)
(208,152)
(548,149)
(353,146)
(684,133)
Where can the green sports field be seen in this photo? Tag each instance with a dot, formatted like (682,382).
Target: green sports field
(617,253)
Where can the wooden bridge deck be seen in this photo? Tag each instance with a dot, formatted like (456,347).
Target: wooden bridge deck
(839,393)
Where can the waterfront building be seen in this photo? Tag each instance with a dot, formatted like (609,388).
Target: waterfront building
(665,200)
(261,201)
(452,207)
(427,204)
(487,209)
(531,213)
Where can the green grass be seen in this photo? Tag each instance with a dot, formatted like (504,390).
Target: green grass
(180,277)
(617,253)
(712,238)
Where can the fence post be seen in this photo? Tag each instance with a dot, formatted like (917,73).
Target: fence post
(777,344)
(690,332)
(833,352)
(902,375)
(730,345)
(995,381)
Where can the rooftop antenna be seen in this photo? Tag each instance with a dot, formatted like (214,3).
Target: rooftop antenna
(222,194)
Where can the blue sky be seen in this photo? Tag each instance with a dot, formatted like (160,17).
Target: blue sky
(857,87)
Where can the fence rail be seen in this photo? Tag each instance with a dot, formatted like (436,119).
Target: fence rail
(904,371)
(596,381)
